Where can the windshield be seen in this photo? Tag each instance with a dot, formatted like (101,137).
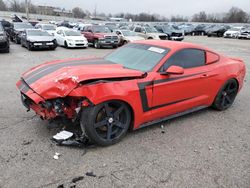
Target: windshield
(23,26)
(151,30)
(101,29)
(234,29)
(72,33)
(49,27)
(37,33)
(128,33)
(175,27)
(138,56)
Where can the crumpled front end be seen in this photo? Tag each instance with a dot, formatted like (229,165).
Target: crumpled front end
(67,107)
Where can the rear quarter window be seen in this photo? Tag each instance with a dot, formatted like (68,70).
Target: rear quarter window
(187,58)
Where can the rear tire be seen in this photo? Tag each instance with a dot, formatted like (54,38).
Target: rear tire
(106,123)
(226,95)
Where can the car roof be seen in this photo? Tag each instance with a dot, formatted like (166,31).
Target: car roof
(173,45)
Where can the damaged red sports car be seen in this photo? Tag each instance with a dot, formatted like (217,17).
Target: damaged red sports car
(137,85)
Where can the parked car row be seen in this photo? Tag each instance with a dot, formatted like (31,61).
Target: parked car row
(99,35)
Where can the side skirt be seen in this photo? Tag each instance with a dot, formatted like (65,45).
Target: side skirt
(172,116)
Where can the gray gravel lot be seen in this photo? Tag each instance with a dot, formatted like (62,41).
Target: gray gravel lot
(204,149)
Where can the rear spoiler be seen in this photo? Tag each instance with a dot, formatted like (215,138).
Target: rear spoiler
(236,59)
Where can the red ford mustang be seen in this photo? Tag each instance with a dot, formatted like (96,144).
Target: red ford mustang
(137,85)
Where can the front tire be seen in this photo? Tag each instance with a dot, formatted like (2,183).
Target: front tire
(226,95)
(106,123)
(66,44)
(96,44)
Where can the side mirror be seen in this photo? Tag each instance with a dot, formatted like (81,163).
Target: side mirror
(174,70)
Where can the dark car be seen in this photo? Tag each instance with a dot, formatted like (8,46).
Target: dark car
(37,39)
(217,31)
(17,29)
(4,41)
(173,32)
(199,30)
(6,26)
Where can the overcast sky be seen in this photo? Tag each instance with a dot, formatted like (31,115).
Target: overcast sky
(163,7)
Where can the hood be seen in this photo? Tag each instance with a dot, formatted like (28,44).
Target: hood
(133,38)
(104,34)
(40,38)
(19,30)
(59,78)
(52,32)
(232,32)
(75,37)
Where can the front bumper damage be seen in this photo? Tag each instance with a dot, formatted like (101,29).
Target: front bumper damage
(66,108)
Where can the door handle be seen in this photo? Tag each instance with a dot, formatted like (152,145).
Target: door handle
(204,75)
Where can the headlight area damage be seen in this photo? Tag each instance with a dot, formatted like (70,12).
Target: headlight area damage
(65,108)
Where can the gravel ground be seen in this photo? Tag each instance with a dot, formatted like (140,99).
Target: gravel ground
(203,149)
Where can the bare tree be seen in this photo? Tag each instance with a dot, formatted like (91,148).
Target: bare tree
(200,17)
(3,6)
(236,15)
(78,12)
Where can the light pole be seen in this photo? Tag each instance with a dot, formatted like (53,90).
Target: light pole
(27,2)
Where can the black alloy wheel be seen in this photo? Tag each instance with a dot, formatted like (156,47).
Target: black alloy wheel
(226,95)
(107,123)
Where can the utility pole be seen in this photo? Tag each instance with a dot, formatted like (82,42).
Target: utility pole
(27,2)
(95,11)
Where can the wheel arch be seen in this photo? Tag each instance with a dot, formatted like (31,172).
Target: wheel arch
(130,106)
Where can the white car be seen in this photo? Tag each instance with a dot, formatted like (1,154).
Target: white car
(233,32)
(50,28)
(126,36)
(70,38)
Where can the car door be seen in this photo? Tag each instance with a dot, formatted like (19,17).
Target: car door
(138,30)
(88,33)
(176,93)
(24,38)
(59,37)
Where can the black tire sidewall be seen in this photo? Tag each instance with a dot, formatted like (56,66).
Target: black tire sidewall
(217,103)
(87,124)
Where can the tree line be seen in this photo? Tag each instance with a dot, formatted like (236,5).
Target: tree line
(234,15)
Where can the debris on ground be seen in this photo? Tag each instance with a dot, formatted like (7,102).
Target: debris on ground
(60,186)
(63,135)
(76,179)
(162,129)
(27,142)
(56,156)
(66,138)
(90,174)
(210,148)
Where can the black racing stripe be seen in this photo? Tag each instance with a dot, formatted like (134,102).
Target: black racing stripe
(51,65)
(171,103)
(50,69)
(23,87)
(142,89)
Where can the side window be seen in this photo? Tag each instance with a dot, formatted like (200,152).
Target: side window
(143,30)
(187,58)
(138,29)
